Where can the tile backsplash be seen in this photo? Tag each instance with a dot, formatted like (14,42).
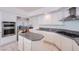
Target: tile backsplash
(70,25)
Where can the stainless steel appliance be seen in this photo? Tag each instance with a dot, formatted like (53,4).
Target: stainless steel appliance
(8,28)
(72,15)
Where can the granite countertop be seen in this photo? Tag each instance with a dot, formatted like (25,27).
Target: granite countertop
(32,36)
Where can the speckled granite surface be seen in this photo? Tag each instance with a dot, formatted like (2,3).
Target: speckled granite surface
(32,36)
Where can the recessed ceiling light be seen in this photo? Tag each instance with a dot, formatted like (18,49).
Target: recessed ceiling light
(47,16)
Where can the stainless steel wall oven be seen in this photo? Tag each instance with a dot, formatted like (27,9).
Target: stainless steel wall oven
(8,28)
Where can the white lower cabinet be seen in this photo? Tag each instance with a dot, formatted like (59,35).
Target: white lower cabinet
(10,17)
(24,44)
(0,38)
(20,43)
(37,46)
(27,44)
(66,45)
(56,41)
(7,40)
(61,42)
(75,46)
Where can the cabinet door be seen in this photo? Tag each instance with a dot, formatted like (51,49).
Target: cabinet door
(20,43)
(27,44)
(75,46)
(8,16)
(37,46)
(66,44)
(55,40)
(0,38)
(0,22)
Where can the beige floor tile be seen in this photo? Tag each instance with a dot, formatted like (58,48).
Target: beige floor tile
(10,47)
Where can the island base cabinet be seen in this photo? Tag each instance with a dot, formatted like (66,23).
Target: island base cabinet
(27,45)
(37,46)
(20,43)
(75,46)
(66,45)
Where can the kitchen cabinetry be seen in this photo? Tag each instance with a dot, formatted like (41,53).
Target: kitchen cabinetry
(20,43)
(0,22)
(75,46)
(27,44)
(10,17)
(24,44)
(66,44)
(51,42)
(7,40)
(7,16)
(63,42)
(31,40)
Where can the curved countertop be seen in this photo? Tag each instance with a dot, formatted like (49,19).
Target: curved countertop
(32,36)
(61,42)
(64,43)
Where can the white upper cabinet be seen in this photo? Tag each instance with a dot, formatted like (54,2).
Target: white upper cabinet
(8,16)
(48,19)
(0,20)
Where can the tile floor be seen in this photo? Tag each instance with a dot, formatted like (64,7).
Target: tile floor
(13,46)
(10,47)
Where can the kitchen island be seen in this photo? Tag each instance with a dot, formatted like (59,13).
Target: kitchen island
(50,41)
(28,39)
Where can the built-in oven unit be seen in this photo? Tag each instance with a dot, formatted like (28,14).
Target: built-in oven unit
(8,28)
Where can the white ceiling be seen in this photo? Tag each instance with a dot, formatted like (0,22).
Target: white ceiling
(45,10)
(33,11)
(37,10)
(29,9)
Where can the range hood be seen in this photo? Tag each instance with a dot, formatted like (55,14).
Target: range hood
(72,15)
